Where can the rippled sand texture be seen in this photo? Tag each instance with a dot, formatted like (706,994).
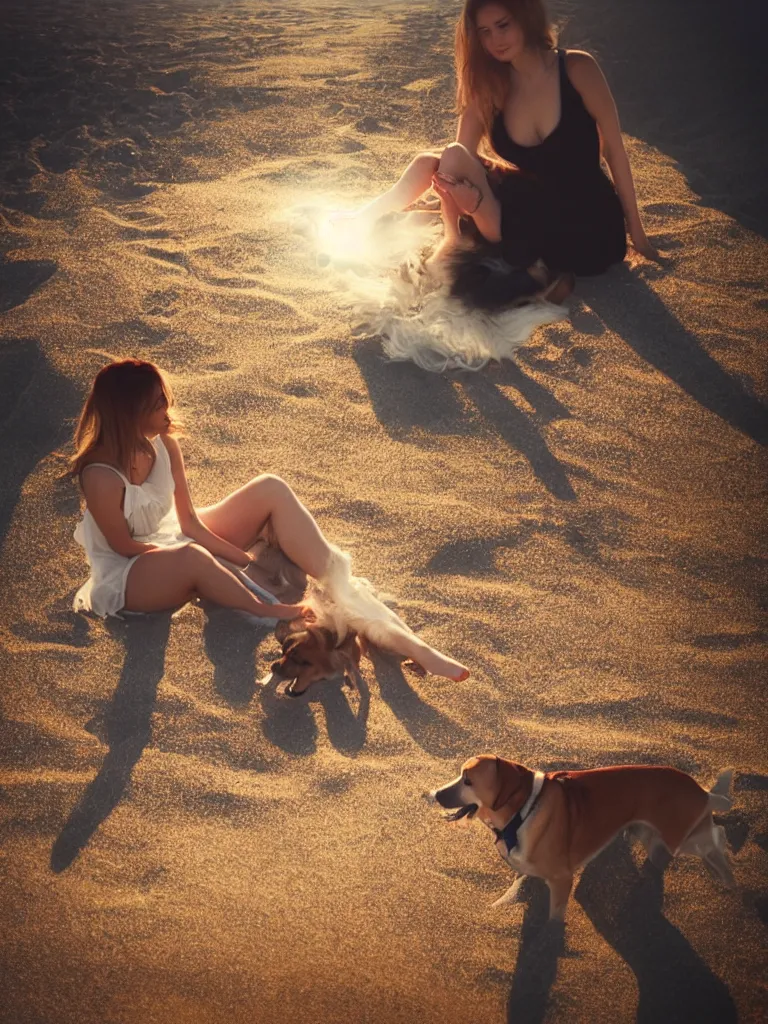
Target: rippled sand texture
(585,528)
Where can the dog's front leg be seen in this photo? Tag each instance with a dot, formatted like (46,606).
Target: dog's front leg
(352,678)
(512,895)
(559,891)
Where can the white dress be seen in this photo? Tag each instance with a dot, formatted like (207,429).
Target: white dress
(151,516)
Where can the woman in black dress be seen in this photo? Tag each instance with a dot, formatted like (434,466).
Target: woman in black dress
(526,166)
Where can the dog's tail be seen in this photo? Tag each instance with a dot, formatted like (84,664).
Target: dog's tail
(720,795)
(482,279)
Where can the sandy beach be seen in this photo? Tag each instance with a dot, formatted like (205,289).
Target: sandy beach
(584,527)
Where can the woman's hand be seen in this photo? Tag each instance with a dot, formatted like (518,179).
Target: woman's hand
(307,612)
(302,613)
(642,245)
(462,192)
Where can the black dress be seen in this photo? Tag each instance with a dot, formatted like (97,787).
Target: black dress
(561,207)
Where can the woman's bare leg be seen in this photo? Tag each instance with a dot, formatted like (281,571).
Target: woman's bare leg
(430,659)
(415,180)
(241,517)
(169,577)
(458,163)
(451,235)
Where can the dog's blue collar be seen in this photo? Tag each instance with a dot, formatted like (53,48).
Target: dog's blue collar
(510,830)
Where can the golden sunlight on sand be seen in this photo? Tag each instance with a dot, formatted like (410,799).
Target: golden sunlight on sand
(583,527)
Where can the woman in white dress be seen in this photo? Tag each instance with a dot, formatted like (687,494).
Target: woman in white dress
(150,550)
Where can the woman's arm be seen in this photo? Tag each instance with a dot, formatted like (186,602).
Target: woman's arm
(188,518)
(587,78)
(470,130)
(103,492)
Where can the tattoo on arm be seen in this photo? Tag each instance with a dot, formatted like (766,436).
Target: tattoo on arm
(475,188)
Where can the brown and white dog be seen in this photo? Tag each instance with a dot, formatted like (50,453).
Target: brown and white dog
(311,653)
(548,825)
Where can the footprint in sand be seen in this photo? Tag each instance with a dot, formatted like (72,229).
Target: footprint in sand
(137,331)
(370,124)
(361,511)
(168,259)
(58,157)
(351,146)
(299,389)
(162,303)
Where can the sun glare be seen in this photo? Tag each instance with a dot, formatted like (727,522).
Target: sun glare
(343,240)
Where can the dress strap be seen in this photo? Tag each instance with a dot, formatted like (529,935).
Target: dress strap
(567,88)
(565,78)
(161,451)
(106,465)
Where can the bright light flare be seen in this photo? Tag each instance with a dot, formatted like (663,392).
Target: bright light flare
(345,241)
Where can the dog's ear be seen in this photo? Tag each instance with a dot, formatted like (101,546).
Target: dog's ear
(508,781)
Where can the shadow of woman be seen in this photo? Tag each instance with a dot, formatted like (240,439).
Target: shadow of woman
(542,943)
(638,316)
(518,429)
(625,904)
(127,729)
(409,401)
(231,645)
(434,732)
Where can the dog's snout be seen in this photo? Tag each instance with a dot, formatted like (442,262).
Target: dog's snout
(447,796)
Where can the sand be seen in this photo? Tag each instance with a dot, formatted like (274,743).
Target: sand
(585,527)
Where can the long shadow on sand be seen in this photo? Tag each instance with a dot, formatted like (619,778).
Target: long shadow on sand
(707,121)
(409,401)
(127,726)
(347,726)
(637,315)
(36,403)
(542,943)
(288,722)
(434,732)
(625,904)
(231,644)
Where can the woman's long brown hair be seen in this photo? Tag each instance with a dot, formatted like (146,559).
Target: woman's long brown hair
(480,78)
(120,396)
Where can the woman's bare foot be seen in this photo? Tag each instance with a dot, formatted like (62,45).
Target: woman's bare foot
(441,665)
(559,289)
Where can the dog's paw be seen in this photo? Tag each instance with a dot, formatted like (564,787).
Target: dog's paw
(512,895)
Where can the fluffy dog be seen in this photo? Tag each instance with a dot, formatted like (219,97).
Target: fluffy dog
(548,825)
